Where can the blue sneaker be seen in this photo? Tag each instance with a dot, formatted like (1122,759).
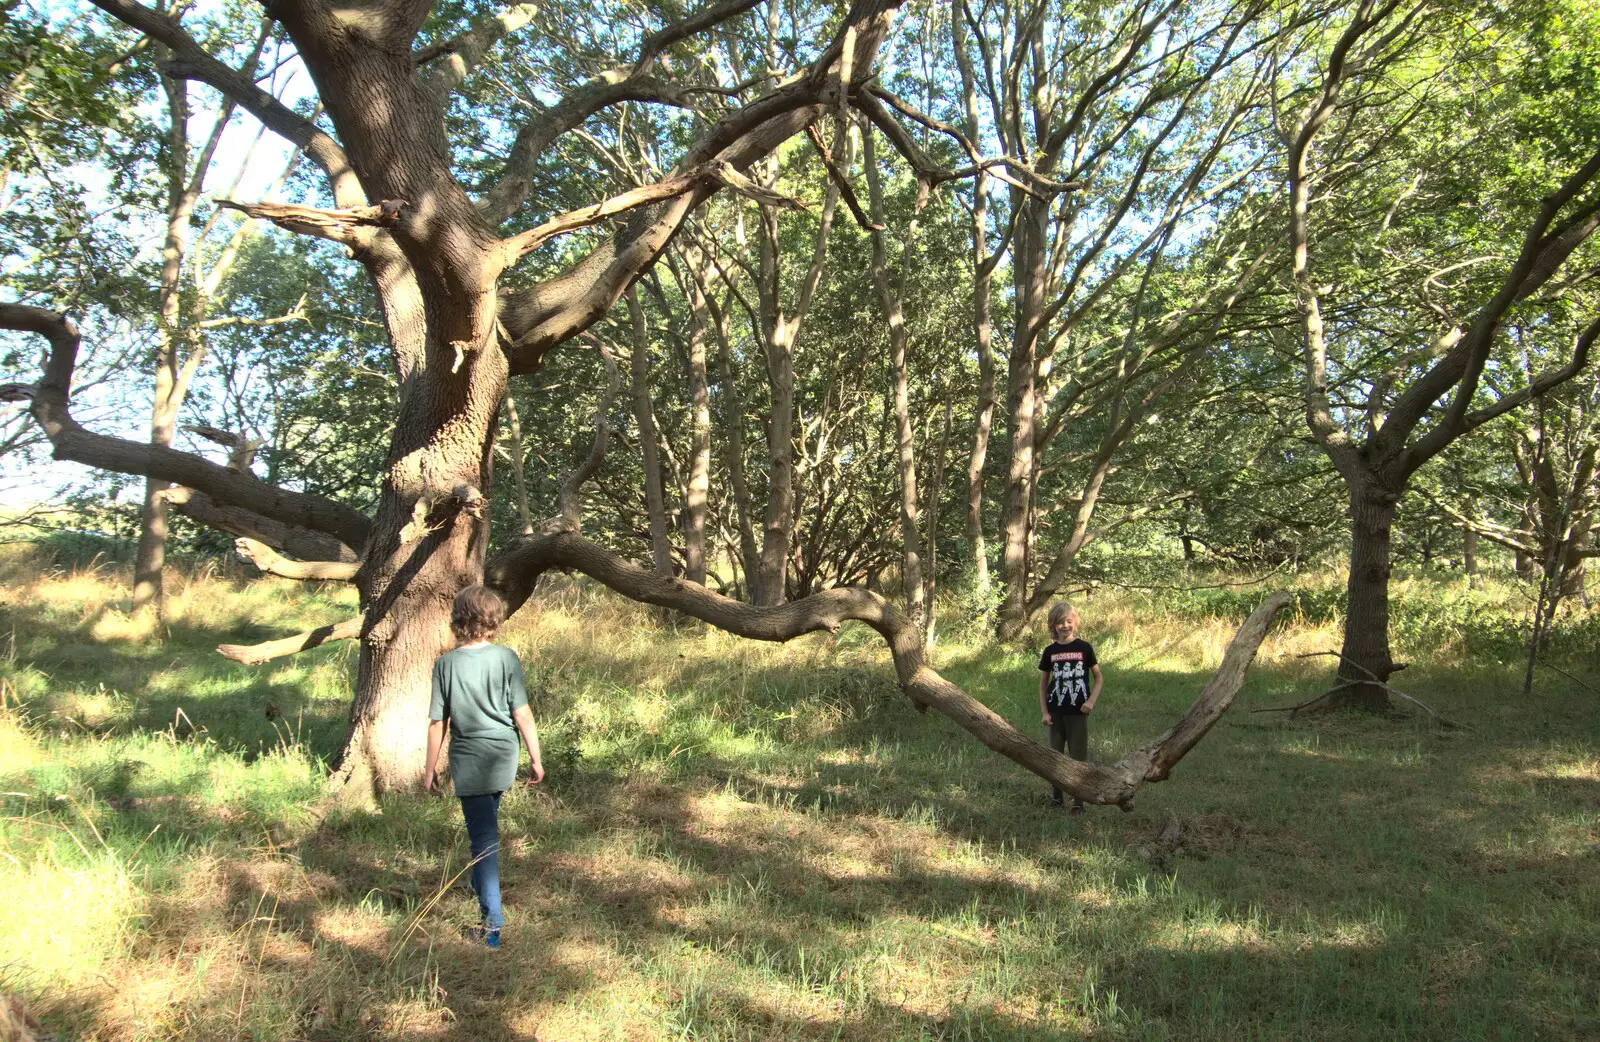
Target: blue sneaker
(491,939)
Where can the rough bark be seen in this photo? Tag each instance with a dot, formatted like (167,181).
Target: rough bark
(456,336)
(1365,654)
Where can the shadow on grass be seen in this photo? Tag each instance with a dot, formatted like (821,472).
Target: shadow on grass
(878,875)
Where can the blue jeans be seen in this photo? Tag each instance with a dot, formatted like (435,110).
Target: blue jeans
(483,830)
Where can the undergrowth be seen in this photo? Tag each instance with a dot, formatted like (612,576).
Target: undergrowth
(750,841)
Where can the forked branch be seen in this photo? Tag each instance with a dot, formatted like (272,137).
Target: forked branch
(572,483)
(191,61)
(520,245)
(515,572)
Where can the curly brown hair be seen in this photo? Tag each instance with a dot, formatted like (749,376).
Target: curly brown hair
(476,614)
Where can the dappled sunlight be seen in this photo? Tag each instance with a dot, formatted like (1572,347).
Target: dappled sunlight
(112,625)
(765,840)
(66,917)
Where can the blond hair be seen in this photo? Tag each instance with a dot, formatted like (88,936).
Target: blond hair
(1060,612)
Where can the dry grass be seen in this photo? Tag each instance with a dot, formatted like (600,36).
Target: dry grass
(748,841)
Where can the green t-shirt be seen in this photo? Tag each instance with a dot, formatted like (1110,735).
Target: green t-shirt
(477,689)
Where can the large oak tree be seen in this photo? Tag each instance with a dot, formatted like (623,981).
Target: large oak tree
(473,291)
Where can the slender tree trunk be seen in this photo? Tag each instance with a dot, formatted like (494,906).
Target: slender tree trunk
(781,333)
(906,454)
(699,489)
(768,584)
(173,334)
(1366,632)
(150,557)
(983,331)
(518,463)
(733,412)
(935,491)
(982,324)
(649,453)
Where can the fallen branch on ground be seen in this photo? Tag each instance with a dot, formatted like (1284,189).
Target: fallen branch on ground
(1372,679)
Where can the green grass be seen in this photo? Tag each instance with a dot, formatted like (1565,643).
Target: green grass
(743,841)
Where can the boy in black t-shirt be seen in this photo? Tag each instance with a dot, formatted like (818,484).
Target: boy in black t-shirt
(1069,686)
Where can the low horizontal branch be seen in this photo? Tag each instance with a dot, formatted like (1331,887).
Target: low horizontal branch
(274,563)
(304,543)
(251,654)
(49,406)
(516,571)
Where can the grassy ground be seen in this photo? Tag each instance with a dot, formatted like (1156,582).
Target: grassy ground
(739,841)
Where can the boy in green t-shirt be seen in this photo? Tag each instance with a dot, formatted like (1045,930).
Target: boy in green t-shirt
(479,693)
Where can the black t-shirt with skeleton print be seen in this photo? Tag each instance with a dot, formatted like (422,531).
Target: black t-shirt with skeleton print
(1069,668)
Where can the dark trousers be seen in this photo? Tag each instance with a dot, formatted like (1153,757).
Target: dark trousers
(483,830)
(1069,732)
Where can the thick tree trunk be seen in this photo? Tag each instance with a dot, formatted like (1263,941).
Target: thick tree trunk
(428,542)
(1365,655)
(1029,261)
(436,262)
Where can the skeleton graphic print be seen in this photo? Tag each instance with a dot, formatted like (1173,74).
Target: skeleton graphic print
(1069,667)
